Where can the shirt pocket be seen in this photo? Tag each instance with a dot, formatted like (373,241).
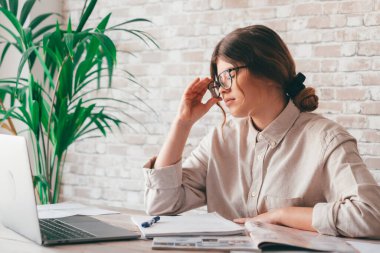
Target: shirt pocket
(274,202)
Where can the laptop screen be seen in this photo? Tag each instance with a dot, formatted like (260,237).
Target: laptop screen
(18,209)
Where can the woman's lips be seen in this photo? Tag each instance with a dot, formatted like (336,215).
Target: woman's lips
(228,101)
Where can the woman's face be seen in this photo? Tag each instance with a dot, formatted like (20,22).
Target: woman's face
(249,95)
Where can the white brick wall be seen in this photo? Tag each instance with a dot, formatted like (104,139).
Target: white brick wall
(335,43)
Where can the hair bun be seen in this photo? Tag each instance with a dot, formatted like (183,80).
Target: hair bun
(306,100)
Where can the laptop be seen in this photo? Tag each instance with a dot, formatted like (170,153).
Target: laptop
(18,209)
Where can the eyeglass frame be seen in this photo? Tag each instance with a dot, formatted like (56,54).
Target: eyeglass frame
(217,84)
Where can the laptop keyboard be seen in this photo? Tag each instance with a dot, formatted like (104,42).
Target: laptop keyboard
(54,229)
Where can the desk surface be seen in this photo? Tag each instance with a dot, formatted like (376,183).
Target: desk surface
(15,243)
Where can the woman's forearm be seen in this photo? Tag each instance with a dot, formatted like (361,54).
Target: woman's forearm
(172,149)
(296,217)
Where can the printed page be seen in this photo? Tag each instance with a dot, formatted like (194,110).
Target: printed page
(365,246)
(203,243)
(265,234)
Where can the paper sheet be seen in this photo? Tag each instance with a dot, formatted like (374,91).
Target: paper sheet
(66,209)
(201,224)
(365,247)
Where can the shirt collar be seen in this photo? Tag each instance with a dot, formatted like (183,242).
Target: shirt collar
(280,126)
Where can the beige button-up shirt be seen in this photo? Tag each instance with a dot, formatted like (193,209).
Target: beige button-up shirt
(300,159)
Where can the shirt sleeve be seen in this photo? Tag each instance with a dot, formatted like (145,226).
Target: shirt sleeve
(180,187)
(352,194)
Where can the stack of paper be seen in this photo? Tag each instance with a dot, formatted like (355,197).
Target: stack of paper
(66,209)
(189,225)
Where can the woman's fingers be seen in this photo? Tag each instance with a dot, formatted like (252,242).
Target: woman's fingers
(189,87)
(197,88)
(202,84)
(241,220)
(212,101)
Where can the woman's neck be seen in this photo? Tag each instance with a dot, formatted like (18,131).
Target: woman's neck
(265,116)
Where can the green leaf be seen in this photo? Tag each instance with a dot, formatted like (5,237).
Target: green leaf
(69,41)
(103,24)
(24,58)
(15,37)
(6,47)
(86,15)
(40,179)
(27,37)
(42,31)
(4,4)
(131,21)
(28,5)
(12,18)
(46,70)
(39,19)
(109,49)
(13,6)
(69,28)
(140,34)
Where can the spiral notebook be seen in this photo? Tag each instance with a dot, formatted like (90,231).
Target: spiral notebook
(189,225)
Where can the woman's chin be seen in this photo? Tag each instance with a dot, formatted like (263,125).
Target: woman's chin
(237,114)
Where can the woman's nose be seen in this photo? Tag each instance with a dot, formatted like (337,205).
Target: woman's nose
(223,90)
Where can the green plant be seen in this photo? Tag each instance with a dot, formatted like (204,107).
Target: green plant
(64,106)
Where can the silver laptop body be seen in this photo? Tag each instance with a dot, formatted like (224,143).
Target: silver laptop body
(18,209)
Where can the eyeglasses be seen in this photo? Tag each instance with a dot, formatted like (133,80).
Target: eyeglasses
(223,80)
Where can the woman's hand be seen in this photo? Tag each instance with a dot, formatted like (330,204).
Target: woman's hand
(191,107)
(294,217)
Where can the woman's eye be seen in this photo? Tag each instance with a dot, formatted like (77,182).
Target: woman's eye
(231,75)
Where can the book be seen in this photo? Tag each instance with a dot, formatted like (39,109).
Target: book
(269,236)
(205,243)
(188,225)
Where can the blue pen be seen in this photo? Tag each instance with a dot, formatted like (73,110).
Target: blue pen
(149,223)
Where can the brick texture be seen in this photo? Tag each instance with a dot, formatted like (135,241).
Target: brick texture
(335,43)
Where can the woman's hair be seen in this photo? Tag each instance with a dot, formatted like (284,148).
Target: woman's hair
(266,55)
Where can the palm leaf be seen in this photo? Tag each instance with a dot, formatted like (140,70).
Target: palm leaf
(5,49)
(131,21)
(42,31)
(28,5)
(4,4)
(12,18)
(86,15)
(103,24)
(15,37)
(39,19)
(13,6)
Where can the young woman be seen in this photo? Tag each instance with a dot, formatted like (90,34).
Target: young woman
(274,161)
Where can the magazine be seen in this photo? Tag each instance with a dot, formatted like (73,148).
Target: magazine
(269,236)
(237,243)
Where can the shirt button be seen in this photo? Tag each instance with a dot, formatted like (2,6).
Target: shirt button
(260,156)
(253,194)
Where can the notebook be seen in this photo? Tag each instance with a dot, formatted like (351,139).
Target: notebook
(189,225)
(18,210)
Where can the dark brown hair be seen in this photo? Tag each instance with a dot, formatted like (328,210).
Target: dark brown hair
(266,55)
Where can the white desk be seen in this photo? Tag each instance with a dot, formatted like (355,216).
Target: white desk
(11,242)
